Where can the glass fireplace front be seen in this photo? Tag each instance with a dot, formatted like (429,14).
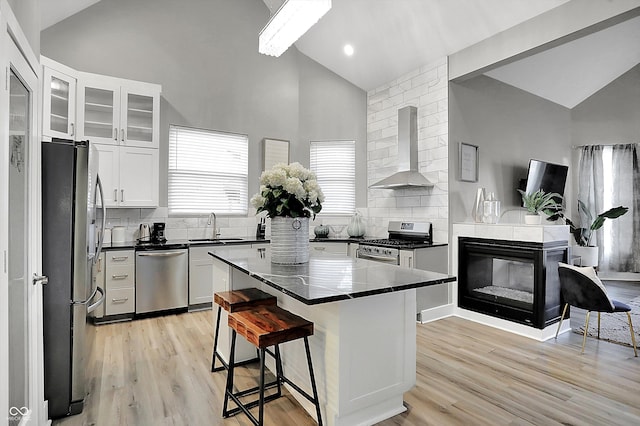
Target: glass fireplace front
(513,280)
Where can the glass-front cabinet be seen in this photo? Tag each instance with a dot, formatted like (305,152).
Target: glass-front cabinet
(99,110)
(59,100)
(118,112)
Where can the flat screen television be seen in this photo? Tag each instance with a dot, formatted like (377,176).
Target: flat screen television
(546,176)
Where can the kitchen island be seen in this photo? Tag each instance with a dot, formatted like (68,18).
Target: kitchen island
(364,315)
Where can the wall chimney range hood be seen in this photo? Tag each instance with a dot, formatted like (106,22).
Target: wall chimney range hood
(407,175)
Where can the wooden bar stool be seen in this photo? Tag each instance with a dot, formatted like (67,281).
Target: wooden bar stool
(267,326)
(236,301)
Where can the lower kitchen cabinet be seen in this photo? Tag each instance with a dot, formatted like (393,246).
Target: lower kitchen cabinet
(329,247)
(201,275)
(98,280)
(434,259)
(120,288)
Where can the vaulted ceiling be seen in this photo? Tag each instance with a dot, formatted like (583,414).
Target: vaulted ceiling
(394,37)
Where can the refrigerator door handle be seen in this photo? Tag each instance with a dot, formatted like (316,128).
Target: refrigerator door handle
(104,219)
(84,302)
(100,301)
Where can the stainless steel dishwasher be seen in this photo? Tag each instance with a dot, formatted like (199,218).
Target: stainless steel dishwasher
(162,277)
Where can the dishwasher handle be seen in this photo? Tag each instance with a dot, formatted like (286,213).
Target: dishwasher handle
(161,253)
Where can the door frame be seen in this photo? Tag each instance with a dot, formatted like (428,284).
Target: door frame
(16,53)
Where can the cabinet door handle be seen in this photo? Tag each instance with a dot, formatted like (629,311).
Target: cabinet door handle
(319,248)
(115,195)
(122,300)
(122,135)
(115,133)
(72,129)
(120,277)
(122,195)
(119,258)
(99,264)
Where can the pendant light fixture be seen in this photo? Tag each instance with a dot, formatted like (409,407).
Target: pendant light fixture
(289,23)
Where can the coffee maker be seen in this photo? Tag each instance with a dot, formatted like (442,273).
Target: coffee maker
(157,234)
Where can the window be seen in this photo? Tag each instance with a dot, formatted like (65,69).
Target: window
(334,163)
(208,171)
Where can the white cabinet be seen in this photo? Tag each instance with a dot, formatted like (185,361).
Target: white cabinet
(338,247)
(352,250)
(201,275)
(98,280)
(59,100)
(129,175)
(406,258)
(120,289)
(117,111)
(434,258)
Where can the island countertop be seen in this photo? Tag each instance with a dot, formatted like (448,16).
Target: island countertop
(327,277)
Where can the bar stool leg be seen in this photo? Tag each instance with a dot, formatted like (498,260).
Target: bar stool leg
(215,344)
(261,398)
(229,387)
(313,381)
(279,373)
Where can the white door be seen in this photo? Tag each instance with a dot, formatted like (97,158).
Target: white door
(59,105)
(98,109)
(138,177)
(108,169)
(139,122)
(20,241)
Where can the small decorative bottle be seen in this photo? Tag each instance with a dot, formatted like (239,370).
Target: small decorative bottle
(491,209)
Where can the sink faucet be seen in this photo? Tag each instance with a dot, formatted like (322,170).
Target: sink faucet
(212,217)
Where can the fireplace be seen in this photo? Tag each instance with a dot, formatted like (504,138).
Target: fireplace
(513,280)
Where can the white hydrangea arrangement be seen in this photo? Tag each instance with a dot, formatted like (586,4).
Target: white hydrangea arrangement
(288,190)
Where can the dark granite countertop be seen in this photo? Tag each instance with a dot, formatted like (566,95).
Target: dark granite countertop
(129,245)
(327,277)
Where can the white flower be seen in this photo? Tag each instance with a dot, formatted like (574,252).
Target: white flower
(295,181)
(257,201)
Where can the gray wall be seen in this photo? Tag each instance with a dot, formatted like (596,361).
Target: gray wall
(205,55)
(28,15)
(611,115)
(510,127)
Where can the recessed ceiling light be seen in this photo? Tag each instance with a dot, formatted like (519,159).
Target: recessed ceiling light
(348,50)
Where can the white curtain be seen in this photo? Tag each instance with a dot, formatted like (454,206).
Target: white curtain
(609,176)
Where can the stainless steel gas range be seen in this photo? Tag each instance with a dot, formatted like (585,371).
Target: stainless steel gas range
(402,236)
(410,244)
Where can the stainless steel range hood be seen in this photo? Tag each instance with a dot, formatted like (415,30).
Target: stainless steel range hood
(407,175)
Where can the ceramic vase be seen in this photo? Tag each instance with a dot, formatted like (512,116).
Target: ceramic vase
(532,219)
(289,240)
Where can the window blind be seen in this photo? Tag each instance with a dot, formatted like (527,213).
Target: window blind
(208,171)
(334,163)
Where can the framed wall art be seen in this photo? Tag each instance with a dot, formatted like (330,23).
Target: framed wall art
(468,162)
(275,151)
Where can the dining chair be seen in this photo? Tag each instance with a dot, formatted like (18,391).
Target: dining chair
(581,287)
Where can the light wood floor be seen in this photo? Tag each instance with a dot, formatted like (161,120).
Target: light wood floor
(156,372)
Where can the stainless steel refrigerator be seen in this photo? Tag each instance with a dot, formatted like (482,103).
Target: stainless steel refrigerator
(70,248)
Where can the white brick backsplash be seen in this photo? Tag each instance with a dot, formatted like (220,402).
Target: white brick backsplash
(426,88)
(408,201)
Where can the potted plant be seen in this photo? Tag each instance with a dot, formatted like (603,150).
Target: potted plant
(290,195)
(582,235)
(539,201)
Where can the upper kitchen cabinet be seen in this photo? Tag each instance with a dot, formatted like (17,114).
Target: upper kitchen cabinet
(59,100)
(118,112)
(129,175)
